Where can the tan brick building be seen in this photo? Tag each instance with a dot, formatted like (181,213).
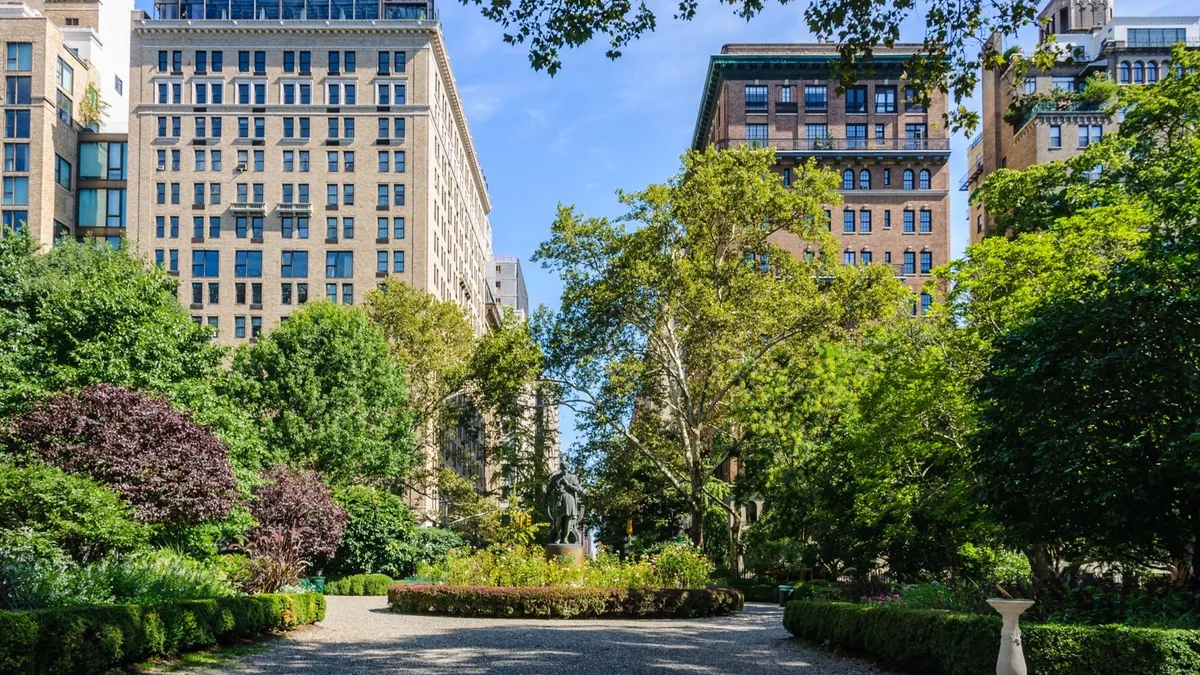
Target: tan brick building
(283,152)
(1128,50)
(892,154)
(44,88)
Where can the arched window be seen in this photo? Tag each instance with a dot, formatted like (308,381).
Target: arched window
(1139,72)
(1123,72)
(847,180)
(1152,72)
(864,180)
(924,179)
(908,179)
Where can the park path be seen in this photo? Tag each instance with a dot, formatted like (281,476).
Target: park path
(359,635)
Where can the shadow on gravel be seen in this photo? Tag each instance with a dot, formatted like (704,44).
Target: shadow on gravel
(751,642)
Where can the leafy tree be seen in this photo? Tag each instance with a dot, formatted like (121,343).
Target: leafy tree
(434,340)
(172,470)
(328,395)
(297,508)
(376,521)
(625,487)
(953,53)
(84,313)
(663,325)
(74,514)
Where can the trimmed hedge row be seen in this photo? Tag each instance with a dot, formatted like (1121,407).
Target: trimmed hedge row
(946,643)
(97,638)
(563,603)
(760,593)
(359,584)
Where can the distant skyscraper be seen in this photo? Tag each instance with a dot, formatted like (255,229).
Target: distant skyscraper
(507,282)
(890,153)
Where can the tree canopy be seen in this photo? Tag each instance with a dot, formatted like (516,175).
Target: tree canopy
(328,394)
(663,324)
(954,48)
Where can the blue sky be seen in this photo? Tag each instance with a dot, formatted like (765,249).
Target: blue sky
(600,125)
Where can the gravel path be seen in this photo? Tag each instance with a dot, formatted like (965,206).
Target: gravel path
(360,636)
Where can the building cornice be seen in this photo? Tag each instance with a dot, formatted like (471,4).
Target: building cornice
(722,67)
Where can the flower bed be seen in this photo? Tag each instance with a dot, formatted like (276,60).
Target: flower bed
(563,603)
(97,638)
(947,643)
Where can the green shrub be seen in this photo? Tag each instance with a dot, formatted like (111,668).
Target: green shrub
(681,566)
(359,584)
(75,513)
(563,603)
(382,537)
(97,638)
(946,643)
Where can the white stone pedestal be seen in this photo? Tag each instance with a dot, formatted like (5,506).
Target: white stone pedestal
(1011,660)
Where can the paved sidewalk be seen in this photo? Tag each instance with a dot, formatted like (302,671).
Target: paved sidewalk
(359,635)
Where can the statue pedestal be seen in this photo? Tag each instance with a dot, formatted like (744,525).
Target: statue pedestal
(571,552)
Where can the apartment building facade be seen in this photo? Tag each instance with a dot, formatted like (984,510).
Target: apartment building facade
(1058,125)
(47,81)
(288,151)
(892,154)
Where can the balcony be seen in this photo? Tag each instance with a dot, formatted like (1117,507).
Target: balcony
(1058,108)
(294,208)
(249,208)
(937,147)
(972,174)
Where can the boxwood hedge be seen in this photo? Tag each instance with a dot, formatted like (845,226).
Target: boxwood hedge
(563,603)
(946,643)
(97,638)
(359,584)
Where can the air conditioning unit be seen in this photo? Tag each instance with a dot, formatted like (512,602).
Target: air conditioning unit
(241,167)
(162,167)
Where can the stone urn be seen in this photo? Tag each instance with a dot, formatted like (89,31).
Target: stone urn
(1011,660)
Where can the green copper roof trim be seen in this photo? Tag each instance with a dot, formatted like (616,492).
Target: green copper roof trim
(723,67)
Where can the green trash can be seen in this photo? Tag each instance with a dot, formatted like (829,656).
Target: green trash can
(785,594)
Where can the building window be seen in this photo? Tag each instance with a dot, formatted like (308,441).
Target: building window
(294,264)
(1152,72)
(910,262)
(887,219)
(885,99)
(785,94)
(62,172)
(912,100)
(205,264)
(1139,72)
(20,56)
(1056,135)
(864,222)
(339,264)
(887,177)
(16,124)
(907,181)
(926,303)
(247,264)
(864,180)
(16,190)
(856,99)
(926,221)
(397,228)
(756,98)
(16,156)
(847,180)
(1155,37)
(856,135)
(816,98)
(909,221)
(848,222)
(64,105)
(926,262)
(1030,85)
(18,90)
(865,257)
(1123,72)
(979,223)
(923,179)
(239,327)
(1089,134)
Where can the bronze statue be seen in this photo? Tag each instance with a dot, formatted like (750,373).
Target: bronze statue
(563,507)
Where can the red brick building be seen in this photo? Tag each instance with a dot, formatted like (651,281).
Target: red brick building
(892,154)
